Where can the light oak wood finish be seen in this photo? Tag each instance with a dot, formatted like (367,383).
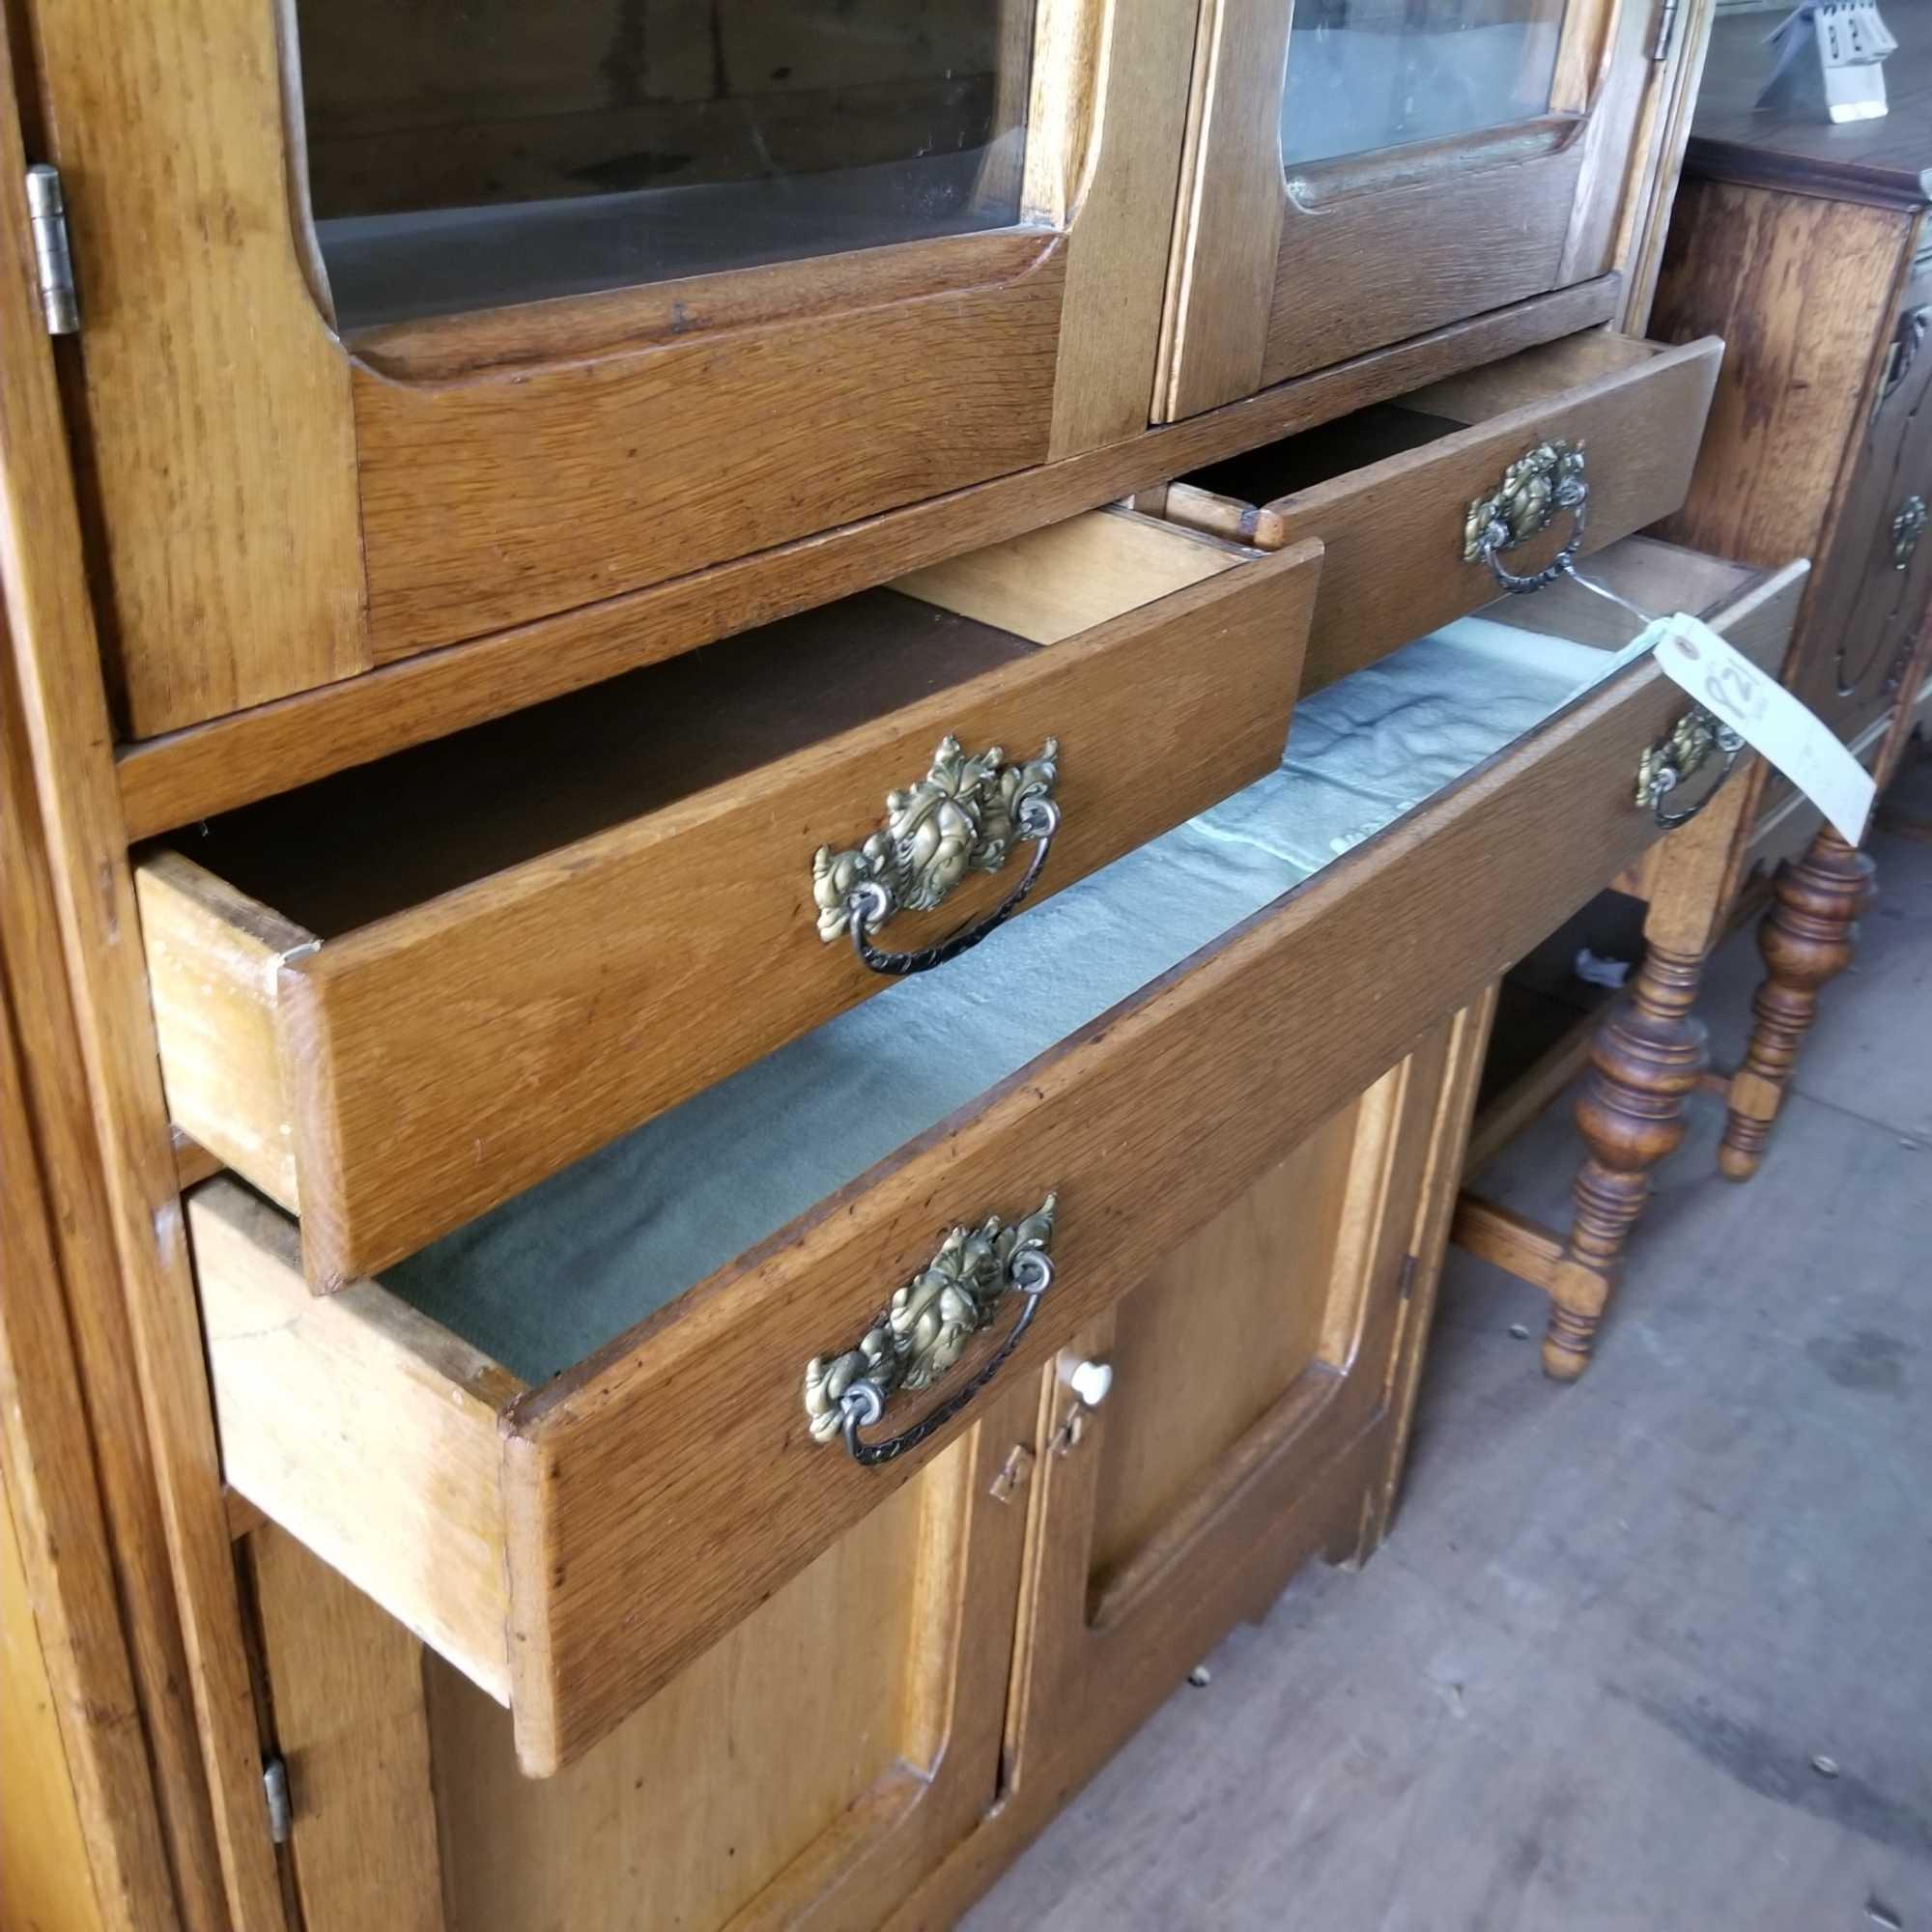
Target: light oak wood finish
(601,1470)
(1274,276)
(49,1878)
(80,1836)
(1805,289)
(135,1317)
(453,479)
(1392,529)
(1229,1561)
(880,1671)
(321,1072)
(219,443)
(352,1729)
(1656,146)
(188,775)
(1247,1365)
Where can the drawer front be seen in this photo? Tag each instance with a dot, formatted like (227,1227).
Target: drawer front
(398,1082)
(644,1502)
(1395,529)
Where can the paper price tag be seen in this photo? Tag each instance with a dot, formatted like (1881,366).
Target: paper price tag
(1766,718)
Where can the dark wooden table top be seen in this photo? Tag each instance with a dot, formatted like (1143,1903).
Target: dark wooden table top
(1888,160)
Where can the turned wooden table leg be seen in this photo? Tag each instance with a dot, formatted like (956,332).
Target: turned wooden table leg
(1645,1063)
(1806,939)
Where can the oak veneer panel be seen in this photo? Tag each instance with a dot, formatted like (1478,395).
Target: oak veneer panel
(1194,1062)
(1392,529)
(1415,258)
(439,1059)
(1800,288)
(346,1681)
(803,1771)
(96,1099)
(1209,1341)
(1277,273)
(220,446)
(363,1430)
(499,499)
(49,1879)
(229,761)
(683,1439)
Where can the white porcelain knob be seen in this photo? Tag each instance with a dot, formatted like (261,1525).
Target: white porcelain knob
(1091,1381)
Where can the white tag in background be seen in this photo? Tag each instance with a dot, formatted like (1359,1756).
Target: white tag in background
(1766,718)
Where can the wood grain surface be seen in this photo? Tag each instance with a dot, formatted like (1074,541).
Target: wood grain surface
(1392,529)
(1159,712)
(347,1686)
(219,438)
(174,780)
(1203,1040)
(142,1350)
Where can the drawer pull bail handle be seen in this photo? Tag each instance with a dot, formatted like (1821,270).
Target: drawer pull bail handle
(1535,488)
(1684,750)
(965,815)
(922,1331)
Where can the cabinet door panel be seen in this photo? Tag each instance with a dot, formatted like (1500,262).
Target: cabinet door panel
(1262,1378)
(1358,177)
(405,325)
(1872,590)
(804,1771)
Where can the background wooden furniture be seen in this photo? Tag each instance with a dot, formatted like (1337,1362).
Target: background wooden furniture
(1807,248)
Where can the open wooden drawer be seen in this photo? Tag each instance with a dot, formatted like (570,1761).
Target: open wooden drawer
(567,1445)
(1393,491)
(392,999)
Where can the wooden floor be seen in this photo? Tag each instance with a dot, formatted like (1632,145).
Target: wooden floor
(1622,1631)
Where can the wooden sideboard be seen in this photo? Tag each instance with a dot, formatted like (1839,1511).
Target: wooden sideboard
(579,1349)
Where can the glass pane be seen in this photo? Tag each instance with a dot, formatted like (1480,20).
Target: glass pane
(466,154)
(1364,74)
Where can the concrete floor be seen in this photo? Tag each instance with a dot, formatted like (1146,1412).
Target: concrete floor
(1586,1684)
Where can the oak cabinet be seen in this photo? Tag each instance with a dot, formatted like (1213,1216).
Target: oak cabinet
(484,313)
(1360,173)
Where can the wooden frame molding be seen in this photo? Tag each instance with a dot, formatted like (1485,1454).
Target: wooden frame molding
(57,659)
(174,780)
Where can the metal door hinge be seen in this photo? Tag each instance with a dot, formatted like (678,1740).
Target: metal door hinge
(1667,31)
(1408,1284)
(275,1791)
(53,259)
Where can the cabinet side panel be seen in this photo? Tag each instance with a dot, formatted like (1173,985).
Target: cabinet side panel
(222,448)
(1798,289)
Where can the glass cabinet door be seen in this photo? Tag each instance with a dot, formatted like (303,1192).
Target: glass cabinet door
(497,310)
(473,153)
(1367,74)
(1369,170)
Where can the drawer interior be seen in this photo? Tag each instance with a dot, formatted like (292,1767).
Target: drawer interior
(339,854)
(1284,470)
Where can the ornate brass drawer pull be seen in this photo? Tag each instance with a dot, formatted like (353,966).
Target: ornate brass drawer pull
(965,815)
(1684,750)
(1534,488)
(922,1331)
(1907,528)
